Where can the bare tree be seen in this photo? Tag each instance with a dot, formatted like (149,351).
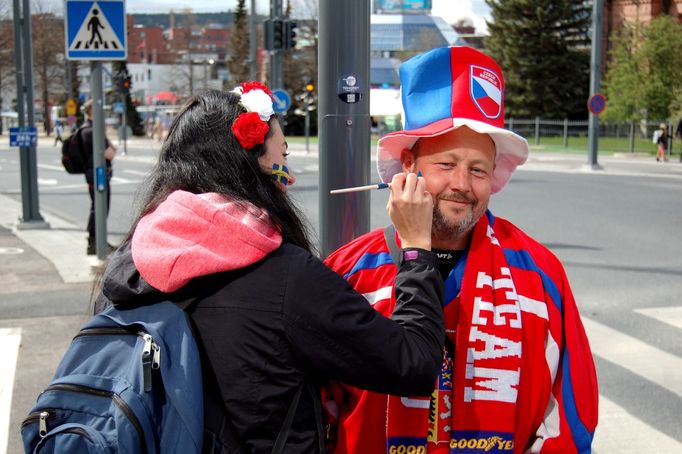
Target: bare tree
(47,34)
(184,46)
(7,66)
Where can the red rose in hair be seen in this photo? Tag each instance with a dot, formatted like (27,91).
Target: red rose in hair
(248,86)
(250,130)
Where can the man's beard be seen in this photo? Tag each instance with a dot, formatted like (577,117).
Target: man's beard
(446,229)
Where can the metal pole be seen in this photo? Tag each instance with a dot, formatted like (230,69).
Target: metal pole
(31,218)
(276,55)
(632,137)
(595,80)
(307,129)
(99,166)
(252,43)
(537,130)
(344,126)
(125,123)
(565,132)
(69,84)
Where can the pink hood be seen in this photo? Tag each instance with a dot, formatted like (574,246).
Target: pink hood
(191,235)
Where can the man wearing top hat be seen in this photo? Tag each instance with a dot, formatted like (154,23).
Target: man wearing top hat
(517,374)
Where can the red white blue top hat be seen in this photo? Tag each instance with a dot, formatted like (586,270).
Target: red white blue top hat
(444,89)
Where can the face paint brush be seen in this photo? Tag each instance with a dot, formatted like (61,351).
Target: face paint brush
(369,187)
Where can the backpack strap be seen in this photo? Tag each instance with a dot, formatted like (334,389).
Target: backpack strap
(389,236)
(283,434)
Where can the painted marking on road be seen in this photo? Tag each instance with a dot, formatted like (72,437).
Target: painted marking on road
(136,172)
(48,181)
(621,432)
(670,315)
(51,167)
(648,362)
(10,339)
(11,250)
(120,180)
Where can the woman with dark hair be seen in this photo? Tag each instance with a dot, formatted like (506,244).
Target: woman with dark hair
(272,322)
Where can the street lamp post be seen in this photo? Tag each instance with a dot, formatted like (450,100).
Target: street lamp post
(207,63)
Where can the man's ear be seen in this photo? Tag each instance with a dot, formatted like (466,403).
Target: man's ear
(407,160)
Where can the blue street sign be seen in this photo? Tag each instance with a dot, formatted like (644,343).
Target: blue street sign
(119,107)
(23,137)
(95,30)
(282,100)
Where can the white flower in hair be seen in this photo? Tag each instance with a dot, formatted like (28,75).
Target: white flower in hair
(258,101)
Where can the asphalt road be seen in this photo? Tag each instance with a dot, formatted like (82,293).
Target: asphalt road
(617,231)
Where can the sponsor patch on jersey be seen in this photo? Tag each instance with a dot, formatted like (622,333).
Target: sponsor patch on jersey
(472,442)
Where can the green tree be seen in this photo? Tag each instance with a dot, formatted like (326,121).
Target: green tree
(238,59)
(643,80)
(543,48)
(119,70)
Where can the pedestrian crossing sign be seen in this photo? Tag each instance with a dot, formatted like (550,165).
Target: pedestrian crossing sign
(95,30)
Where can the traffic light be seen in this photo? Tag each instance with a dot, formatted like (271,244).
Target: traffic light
(278,34)
(126,84)
(289,34)
(309,87)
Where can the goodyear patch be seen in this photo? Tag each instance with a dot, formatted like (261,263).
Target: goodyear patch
(406,445)
(473,442)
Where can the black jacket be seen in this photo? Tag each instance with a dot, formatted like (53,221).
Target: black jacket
(288,320)
(86,141)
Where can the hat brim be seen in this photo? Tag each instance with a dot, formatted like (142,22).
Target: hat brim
(511,149)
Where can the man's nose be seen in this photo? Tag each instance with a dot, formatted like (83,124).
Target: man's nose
(460,179)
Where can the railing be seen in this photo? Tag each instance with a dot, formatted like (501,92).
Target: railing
(566,133)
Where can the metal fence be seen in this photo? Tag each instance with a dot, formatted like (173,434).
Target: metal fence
(630,135)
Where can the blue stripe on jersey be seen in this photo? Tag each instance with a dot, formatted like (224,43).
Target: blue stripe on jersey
(369,261)
(523,260)
(581,436)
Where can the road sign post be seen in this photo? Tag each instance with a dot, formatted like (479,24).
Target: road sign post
(96,31)
(31,218)
(595,80)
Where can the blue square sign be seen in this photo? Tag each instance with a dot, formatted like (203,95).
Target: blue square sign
(23,137)
(95,30)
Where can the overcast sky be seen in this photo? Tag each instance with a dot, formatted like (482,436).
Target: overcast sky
(450,10)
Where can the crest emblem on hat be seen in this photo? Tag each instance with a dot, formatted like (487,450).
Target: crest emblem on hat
(486,91)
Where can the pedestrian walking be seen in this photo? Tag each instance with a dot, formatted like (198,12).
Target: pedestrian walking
(517,375)
(109,154)
(272,322)
(59,131)
(662,143)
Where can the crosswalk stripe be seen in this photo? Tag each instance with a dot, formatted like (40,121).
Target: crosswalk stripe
(669,315)
(655,365)
(10,338)
(620,432)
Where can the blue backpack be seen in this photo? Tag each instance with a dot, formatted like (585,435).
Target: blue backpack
(130,382)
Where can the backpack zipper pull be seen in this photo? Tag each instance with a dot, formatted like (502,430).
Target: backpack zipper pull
(147,362)
(42,424)
(156,359)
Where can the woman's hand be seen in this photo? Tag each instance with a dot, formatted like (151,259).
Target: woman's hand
(410,207)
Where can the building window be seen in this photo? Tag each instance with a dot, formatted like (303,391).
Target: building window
(149,74)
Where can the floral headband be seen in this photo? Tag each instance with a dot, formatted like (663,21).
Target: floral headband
(251,127)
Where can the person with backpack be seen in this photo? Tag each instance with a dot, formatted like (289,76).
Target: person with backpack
(86,144)
(271,321)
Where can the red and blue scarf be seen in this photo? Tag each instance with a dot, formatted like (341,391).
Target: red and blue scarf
(473,408)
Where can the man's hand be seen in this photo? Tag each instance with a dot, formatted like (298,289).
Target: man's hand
(410,207)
